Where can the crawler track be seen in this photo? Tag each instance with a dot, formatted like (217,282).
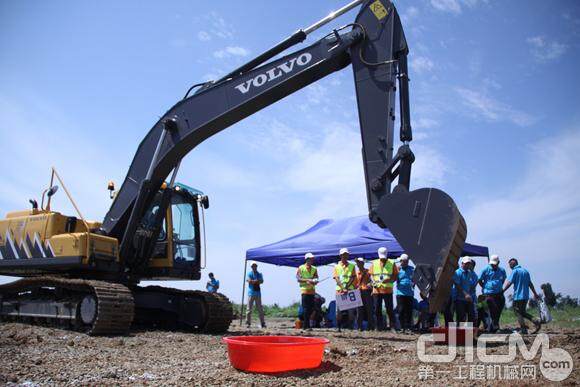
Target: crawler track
(113,307)
(216,309)
(114,303)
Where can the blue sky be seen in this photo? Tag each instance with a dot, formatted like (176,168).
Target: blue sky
(495,110)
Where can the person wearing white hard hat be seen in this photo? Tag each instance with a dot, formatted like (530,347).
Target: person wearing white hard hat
(464,282)
(405,292)
(254,280)
(491,280)
(345,276)
(383,273)
(307,277)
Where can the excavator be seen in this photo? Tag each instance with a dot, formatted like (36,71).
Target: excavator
(85,275)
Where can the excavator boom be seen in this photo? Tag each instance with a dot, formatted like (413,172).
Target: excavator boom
(426,222)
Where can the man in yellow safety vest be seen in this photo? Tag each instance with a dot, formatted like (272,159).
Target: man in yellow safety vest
(345,277)
(307,277)
(383,273)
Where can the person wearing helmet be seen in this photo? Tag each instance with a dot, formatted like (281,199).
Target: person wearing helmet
(464,282)
(491,279)
(307,277)
(345,276)
(383,273)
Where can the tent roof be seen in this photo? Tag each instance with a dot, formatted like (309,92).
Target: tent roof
(325,238)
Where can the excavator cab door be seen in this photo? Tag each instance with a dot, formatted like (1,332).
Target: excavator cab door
(185,230)
(177,252)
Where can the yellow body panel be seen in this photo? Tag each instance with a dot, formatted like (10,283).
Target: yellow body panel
(49,229)
(28,229)
(75,244)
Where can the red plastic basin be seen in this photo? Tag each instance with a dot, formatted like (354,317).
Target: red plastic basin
(460,333)
(268,354)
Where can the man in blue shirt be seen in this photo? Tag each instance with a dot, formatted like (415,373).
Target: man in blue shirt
(405,292)
(464,282)
(520,278)
(491,279)
(254,280)
(212,285)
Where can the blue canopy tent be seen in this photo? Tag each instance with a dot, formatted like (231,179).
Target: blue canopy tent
(362,237)
(325,238)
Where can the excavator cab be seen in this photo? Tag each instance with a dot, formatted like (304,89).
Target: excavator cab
(178,251)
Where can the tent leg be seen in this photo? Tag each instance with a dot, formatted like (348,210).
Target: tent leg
(243,293)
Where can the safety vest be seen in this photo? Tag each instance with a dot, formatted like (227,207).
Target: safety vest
(380,275)
(345,275)
(306,274)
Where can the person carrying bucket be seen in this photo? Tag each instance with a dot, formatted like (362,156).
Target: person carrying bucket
(345,277)
(307,277)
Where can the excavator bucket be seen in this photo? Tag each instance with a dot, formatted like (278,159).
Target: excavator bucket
(428,225)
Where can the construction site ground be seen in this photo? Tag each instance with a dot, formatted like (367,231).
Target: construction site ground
(47,356)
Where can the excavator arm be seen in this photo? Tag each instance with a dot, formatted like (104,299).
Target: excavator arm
(426,222)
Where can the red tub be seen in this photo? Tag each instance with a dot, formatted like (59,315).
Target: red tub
(269,354)
(460,334)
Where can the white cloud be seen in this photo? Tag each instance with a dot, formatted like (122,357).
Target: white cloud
(316,93)
(421,64)
(454,6)
(492,110)
(231,51)
(537,218)
(203,36)
(544,50)
(425,123)
(409,14)
(219,27)
(451,6)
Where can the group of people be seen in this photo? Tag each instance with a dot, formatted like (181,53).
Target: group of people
(375,283)
(384,278)
(486,309)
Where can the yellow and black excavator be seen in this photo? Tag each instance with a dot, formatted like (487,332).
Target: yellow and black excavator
(86,274)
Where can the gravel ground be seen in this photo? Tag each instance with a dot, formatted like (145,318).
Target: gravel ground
(46,356)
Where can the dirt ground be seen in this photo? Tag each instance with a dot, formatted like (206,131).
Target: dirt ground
(46,356)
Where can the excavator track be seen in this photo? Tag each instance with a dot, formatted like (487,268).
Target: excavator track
(95,307)
(213,311)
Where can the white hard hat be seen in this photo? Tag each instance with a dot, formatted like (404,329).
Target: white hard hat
(360,259)
(308,255)
(404,257)
(253,263)
(344,250)
(382,252)
(494,259)
(466,259)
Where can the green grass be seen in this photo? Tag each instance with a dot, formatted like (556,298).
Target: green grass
(290,311)
(563,317)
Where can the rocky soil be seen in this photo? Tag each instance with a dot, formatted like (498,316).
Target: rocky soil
(45,356)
